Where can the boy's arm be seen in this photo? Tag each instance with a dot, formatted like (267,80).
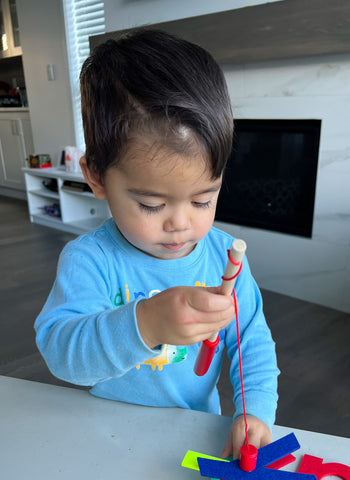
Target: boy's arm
(259,363)
(86,339)
(83,337)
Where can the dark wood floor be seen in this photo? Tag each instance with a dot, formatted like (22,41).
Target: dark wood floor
(313,342)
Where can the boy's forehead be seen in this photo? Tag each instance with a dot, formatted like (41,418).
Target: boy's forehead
(160,160)
(166,171)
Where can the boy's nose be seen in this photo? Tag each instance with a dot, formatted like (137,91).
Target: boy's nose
(177,222)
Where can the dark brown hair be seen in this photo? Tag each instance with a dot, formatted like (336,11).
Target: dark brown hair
(150,82)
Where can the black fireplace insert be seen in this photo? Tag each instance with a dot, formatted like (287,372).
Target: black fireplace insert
(270,178)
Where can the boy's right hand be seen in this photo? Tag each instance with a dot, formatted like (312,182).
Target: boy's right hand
(183,315)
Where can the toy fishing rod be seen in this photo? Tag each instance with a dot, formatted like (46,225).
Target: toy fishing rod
(233,267)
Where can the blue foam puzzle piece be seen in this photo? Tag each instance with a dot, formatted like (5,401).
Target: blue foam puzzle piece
(212,468)
(229,471)
(277,450)
(266,455)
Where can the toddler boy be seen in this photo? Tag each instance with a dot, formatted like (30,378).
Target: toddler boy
(133,299)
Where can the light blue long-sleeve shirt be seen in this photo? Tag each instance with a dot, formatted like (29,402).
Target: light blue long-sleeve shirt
(88,334)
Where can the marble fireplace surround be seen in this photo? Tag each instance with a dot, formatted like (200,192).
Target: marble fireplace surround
(292,64)
(316,269)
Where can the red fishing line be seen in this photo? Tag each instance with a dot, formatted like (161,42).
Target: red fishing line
(238,340)
(240,364)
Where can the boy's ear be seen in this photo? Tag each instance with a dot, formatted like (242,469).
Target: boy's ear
(93,180)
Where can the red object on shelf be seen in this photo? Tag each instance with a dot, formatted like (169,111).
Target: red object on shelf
(46,165)
(205,356)
(249,455)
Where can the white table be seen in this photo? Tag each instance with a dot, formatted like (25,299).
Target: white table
(49,432)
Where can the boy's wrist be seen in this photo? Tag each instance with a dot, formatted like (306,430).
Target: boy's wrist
(144,325)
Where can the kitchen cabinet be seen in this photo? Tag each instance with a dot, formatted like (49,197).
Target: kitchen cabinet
(10,45)
(54,202)
(16,144)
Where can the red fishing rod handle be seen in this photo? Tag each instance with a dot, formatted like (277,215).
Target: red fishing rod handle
(205,356)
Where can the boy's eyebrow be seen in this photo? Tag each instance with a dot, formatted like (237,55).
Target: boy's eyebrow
(144,193)
(148,193)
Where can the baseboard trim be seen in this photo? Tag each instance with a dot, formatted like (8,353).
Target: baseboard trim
(13,193)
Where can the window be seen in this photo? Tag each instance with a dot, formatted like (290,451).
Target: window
(83,18)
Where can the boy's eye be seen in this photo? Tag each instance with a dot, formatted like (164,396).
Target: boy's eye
(150,209)
(158,208)
(202,204)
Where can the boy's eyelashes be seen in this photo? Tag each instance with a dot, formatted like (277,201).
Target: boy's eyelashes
(158,208)
(150,209)
(202,204)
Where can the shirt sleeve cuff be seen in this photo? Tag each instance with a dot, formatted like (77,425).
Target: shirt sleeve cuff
(153,351)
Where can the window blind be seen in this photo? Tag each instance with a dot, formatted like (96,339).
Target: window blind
(83,18)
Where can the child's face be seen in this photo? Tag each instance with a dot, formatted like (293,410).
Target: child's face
(164,203)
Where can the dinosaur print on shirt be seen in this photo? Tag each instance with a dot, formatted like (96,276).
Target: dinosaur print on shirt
(170,354)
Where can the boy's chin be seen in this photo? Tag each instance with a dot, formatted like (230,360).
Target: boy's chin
(169,252)
(172,252)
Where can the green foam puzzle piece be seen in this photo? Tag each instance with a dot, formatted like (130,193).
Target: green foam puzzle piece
(190,459)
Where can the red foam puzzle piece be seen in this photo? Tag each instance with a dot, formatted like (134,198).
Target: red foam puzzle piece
(282,462)
(314,465)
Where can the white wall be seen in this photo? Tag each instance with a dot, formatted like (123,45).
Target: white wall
(41,25)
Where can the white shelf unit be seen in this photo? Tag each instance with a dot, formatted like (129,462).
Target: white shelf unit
(80,211)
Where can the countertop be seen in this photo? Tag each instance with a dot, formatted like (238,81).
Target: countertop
(51,432)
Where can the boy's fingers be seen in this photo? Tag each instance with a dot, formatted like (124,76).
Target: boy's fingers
(259,434)
(227,451)
(258,440)
(238,438)
(206,301)
(216,290)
